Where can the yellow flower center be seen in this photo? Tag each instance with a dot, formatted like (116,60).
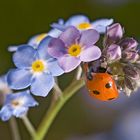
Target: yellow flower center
(38,66)
(15,103)
(84,25)
(74,50)
(40,37)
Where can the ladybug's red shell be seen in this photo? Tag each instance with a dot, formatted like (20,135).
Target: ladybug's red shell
(102,86)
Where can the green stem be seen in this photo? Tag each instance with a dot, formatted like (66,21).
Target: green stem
(14,129)
(29,126)
(55,108)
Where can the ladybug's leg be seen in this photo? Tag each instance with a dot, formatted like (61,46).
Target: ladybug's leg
(89,73)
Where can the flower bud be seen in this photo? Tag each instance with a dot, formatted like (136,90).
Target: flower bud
(113,53)
(114,33)
(128,44)
(130,84)
(130,56)
(127,91)
(131,71)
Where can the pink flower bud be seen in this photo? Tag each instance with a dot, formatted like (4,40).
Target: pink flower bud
(114,33)
(129,44)
(113,53)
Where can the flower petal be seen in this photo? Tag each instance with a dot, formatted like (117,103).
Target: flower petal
(42,84)
(19,79)
(35,40)
(68,63)
(54,68)
(20,111)
(23,96)
(24,56)
(70,35)
(89,37)
(5,113)
(43,48)
(101,25)
(90,54)
(76,20)
(12,48)
(55,32)
(56,48)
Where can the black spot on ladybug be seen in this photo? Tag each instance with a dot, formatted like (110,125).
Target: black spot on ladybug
(96,92)
(111,98)
(108,85)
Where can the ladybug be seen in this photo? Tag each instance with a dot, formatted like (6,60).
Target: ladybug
(100,84)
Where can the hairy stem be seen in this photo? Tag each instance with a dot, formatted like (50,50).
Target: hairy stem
(55,108)
(29,126)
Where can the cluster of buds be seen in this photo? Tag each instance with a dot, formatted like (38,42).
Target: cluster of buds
(122,58)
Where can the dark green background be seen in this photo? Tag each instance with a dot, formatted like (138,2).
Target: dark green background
(21,19)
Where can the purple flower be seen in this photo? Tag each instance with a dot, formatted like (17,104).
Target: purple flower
(72,47)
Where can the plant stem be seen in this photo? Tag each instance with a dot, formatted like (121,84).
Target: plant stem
(29,126)
(14,129)
(55,108)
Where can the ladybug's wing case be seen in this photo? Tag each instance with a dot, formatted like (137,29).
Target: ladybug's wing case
(102,87)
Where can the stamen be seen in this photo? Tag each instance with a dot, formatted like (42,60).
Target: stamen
(74,50)
(84,25)
(38,66)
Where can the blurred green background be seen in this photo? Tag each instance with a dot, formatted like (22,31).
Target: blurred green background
(21,19)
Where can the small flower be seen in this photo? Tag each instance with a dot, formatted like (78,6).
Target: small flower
(35,40)
(17,105)
(35,68)
(82,22)
(72,47)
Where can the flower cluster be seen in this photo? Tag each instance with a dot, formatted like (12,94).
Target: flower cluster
(62,50)
(122,58)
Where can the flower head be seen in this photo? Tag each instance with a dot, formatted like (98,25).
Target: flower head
(17,105)
(35,68)
(72,47)
(122,56)
(82,22)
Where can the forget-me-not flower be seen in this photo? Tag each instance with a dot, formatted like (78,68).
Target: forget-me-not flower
(82,22)
(72,47)
(17,105)
(35,69)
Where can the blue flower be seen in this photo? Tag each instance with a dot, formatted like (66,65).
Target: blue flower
(35,40)
(82,22)
(17,105)
(35,68)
